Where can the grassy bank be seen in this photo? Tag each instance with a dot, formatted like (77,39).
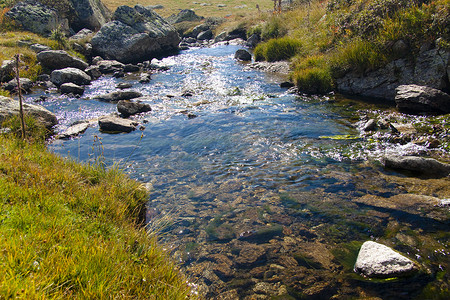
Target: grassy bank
(338,36)
(206,8)
(71,231)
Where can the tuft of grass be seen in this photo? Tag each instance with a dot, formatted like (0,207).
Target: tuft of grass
(357,55)
(4,93)
(35,131)
(278,49)
(71,231)
(312,74)
(273,28)
(314,80)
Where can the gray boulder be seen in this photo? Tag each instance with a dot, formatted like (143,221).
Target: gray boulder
(74,130)
(25,83)
(118,95)
(109,66)
(66,75)
(91,14)
(198,29)
(420,165)
(93,72)
(129,108)
(428,69)
(379,261)
(59,59)
(7,70)
(39,48)
(221,37)
(421,99)
(82,34)
(185,15)
(10,107)
(71,88)
(243,55)
(115,124)
(205,35)
(37,18)
(253,40)
(137,34)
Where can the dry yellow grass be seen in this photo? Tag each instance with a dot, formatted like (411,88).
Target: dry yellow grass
(206,8)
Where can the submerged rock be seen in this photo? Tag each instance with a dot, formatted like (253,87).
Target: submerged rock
(421,165)
(10,107)
(379,261)
(128,108)
(251,254)
(115,124)
(421,99)
(60,59)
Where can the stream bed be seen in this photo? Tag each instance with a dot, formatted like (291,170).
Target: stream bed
(263,194)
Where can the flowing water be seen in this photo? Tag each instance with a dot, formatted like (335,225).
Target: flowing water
(265,194)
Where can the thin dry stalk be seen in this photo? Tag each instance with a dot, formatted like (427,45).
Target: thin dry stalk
(19,89)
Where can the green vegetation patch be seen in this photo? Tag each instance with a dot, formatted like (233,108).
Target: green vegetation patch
(71,231)
(278,49)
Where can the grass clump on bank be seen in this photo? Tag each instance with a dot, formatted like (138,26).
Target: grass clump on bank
(277,49)
(71,231)
(352,36)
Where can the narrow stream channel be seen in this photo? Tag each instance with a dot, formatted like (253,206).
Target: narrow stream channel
(261,193)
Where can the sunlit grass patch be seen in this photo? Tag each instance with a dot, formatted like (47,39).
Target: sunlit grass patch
(72,231)
(278,49)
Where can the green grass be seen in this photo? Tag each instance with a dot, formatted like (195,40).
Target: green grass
(233,7)
(278,49)
(9,48)
(349,36)
(71,231)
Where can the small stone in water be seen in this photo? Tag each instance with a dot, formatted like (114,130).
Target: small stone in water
(124,85)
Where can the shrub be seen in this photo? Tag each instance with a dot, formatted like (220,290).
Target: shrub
(273,29)
(259,52)
(59,36)
(277,49)
(314,80)
(358,55)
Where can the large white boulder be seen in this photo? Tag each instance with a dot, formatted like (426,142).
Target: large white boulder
(380,261)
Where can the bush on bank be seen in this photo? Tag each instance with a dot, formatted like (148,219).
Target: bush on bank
(277,49)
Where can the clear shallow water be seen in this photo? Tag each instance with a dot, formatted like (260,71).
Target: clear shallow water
(263,192)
